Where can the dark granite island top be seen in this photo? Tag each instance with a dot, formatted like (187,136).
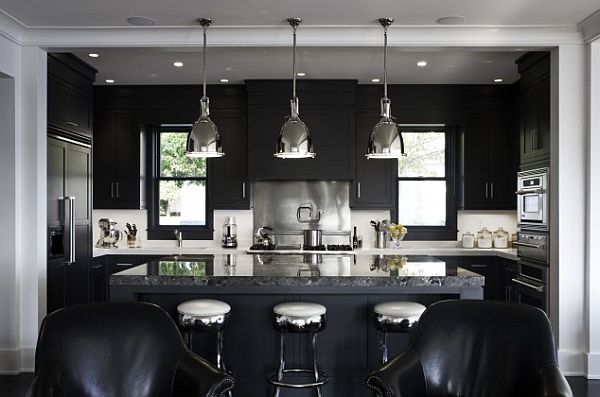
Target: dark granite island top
(253,284)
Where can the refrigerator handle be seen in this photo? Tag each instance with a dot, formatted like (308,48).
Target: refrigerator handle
(71,223)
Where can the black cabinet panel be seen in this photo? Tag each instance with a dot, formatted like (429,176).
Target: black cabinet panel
(375,184)
(507,270)
(476,183)
(486,266)
(117,160)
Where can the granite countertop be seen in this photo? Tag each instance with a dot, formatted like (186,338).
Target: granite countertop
(292,270)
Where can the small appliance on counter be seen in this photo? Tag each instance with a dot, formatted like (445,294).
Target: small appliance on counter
(109,234)
(264,240)
(229,233)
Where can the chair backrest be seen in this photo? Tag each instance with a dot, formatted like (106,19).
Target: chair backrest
(110,350)
(479,348)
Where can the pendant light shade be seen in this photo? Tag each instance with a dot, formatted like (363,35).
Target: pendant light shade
(294,141)
(385,141)
(204,139)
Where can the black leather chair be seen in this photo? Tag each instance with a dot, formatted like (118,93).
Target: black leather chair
(475,349)
(123,349)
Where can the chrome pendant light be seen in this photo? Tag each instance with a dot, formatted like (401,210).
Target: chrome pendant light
(204,139)
(385,141)
(294,140)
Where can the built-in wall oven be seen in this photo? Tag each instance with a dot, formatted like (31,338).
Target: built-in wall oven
(532,199)
(531,284)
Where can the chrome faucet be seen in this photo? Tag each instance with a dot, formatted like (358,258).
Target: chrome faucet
(179,237)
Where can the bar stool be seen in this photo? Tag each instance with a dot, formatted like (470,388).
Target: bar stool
(205,315)
(298,317)
(397,317)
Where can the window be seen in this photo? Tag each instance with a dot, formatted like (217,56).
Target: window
(426,200)
(177,192)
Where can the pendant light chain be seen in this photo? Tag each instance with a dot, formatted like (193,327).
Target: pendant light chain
(385,30)
(294,63)
(205,27)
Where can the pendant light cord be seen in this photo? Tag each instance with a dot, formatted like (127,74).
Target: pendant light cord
(294,64)
(204,63)
(385,29)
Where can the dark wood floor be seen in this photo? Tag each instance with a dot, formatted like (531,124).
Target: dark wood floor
(16,386)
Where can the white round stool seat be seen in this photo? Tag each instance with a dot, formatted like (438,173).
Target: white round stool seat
(400,309)
(299,309)
(203,308)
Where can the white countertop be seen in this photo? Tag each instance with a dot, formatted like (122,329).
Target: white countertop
(443,248)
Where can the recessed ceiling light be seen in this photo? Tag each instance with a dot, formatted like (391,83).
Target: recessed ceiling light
(109,81)
(224,80)
(178,64)
(141,21)
(498,80)
(450,20)
(375,80)
(300,74)
(422,64)
(93,55)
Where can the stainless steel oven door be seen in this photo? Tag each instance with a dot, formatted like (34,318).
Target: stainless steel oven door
(533,246)
(532,208)
(531,285)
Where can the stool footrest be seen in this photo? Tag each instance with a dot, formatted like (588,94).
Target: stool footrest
(323,378)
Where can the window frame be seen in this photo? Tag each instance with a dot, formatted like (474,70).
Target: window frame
(156,231)
(449,231)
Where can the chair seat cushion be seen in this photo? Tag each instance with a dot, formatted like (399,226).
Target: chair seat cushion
(399,309)
(300,309)
(203,308)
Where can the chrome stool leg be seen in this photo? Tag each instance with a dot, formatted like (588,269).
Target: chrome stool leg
(383,347)
(315,370)
(281,369)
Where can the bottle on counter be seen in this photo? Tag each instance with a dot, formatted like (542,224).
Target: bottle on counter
(468,240)
(484,238)
(355,239)
(500,238)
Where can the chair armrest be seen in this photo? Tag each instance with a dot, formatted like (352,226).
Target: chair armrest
(552,383)
(196,377)
(400,377)
(44,387)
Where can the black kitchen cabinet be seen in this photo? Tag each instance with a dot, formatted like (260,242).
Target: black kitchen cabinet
(374,185)
(229,187)
(507,270)
(326,107)
(486,266)
(69,169)
(489,161)
(117,150)
(534,68)
(70,94)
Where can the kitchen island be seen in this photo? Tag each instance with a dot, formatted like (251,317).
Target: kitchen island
(348,285)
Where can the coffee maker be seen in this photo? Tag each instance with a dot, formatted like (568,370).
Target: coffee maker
(229,233)
(109,234)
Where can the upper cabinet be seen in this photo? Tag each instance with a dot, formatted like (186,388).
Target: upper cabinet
(327,107)
(489,166)
(70,94)
(534,68)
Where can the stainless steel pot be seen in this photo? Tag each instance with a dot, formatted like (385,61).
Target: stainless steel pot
(313,238)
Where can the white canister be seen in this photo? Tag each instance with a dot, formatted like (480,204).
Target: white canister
(484,238)
(468,240)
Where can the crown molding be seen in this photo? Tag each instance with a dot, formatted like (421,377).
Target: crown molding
(318,36)
(590,27)
(11,29)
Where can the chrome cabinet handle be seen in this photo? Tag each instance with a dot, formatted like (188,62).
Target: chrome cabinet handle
(479,266)
(492,189)
(538,288)
(117,189)
(71,223)
(358,189)
(112,190)
(72,124)
(244,190)
(532,191)
(486,190)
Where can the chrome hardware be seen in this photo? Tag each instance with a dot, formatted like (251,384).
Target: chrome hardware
(117,190)
(533,191)
(528,244)
(112,190)
(492,189)
(486,190)
(538,288)
(358,188)
(178,237)
(243,189)
(72,124)
(71,223)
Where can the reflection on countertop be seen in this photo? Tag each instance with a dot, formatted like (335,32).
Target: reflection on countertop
(297,269)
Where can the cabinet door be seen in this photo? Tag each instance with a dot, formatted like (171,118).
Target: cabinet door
(476,186)
(508,270)
(535,129)
(502,174)
(98,286)
(228,173)
(104,165)
(127,162)
(486,267)
(375,184)
(69,108)
(57,158)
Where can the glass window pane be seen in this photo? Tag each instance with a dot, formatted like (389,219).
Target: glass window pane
(422,203)
(426,155)
(173,161)
(182,203)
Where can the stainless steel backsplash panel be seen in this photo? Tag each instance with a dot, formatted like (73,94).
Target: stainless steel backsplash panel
(275,204)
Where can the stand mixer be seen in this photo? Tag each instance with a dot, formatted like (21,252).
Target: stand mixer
(109,234)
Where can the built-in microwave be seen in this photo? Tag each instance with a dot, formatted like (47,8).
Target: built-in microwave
(532,199)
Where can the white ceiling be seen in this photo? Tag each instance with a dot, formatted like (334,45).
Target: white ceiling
(237,63)
(155,66)
(61,13)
